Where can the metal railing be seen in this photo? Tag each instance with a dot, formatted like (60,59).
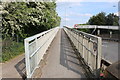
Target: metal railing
(89,47)
(98,27)
(35,48)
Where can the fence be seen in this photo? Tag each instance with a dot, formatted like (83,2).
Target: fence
(35,48)
(98,27)
(89,47)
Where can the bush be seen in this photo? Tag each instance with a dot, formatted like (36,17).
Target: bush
(11,49)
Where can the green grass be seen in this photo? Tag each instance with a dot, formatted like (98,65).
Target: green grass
(12,50)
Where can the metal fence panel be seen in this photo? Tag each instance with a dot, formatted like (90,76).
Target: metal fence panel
(35,48)
(89,46)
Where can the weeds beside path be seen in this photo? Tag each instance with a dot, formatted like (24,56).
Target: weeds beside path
(11,49)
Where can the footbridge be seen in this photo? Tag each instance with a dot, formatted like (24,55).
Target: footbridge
(63,53)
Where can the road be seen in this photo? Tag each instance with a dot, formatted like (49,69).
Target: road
(110,51)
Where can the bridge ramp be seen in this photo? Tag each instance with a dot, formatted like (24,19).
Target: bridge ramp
(61,60)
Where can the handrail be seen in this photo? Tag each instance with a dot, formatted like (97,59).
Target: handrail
(89,46)
(35,48)
(98,27)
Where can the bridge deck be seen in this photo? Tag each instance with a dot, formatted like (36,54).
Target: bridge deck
(61,61)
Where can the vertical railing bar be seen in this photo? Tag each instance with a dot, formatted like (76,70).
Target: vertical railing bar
(99,52)
(87,45)
(27,56)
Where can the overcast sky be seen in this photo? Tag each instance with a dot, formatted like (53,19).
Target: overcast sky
(79,12)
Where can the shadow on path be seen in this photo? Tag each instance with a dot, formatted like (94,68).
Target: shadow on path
(68,58)
(20,67)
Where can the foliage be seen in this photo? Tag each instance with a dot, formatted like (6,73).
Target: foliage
(101,19)
(23,19)
(85,30)
(26,19)
(112,19)
(10,50)
(82,24)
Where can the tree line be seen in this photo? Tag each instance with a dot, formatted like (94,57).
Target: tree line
(102,19)
(23,19)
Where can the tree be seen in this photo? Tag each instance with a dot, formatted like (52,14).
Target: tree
(101,19)
(110,19)
(26,19)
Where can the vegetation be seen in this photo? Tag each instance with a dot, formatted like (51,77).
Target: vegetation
(24,19)
(11,49)
(103,19)
(85,30)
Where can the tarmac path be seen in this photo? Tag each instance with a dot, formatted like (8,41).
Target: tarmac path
(62,61)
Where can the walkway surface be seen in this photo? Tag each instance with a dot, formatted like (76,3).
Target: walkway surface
(62,61)
(14,68)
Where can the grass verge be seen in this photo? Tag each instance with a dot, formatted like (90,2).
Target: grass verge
(12,50)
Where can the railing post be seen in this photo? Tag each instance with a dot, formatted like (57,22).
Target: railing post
(36,56)
(89,47)
(27,57)
(87,51)
(99,52)
(81,45)
(78,41)
(83,51)
(89,54)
